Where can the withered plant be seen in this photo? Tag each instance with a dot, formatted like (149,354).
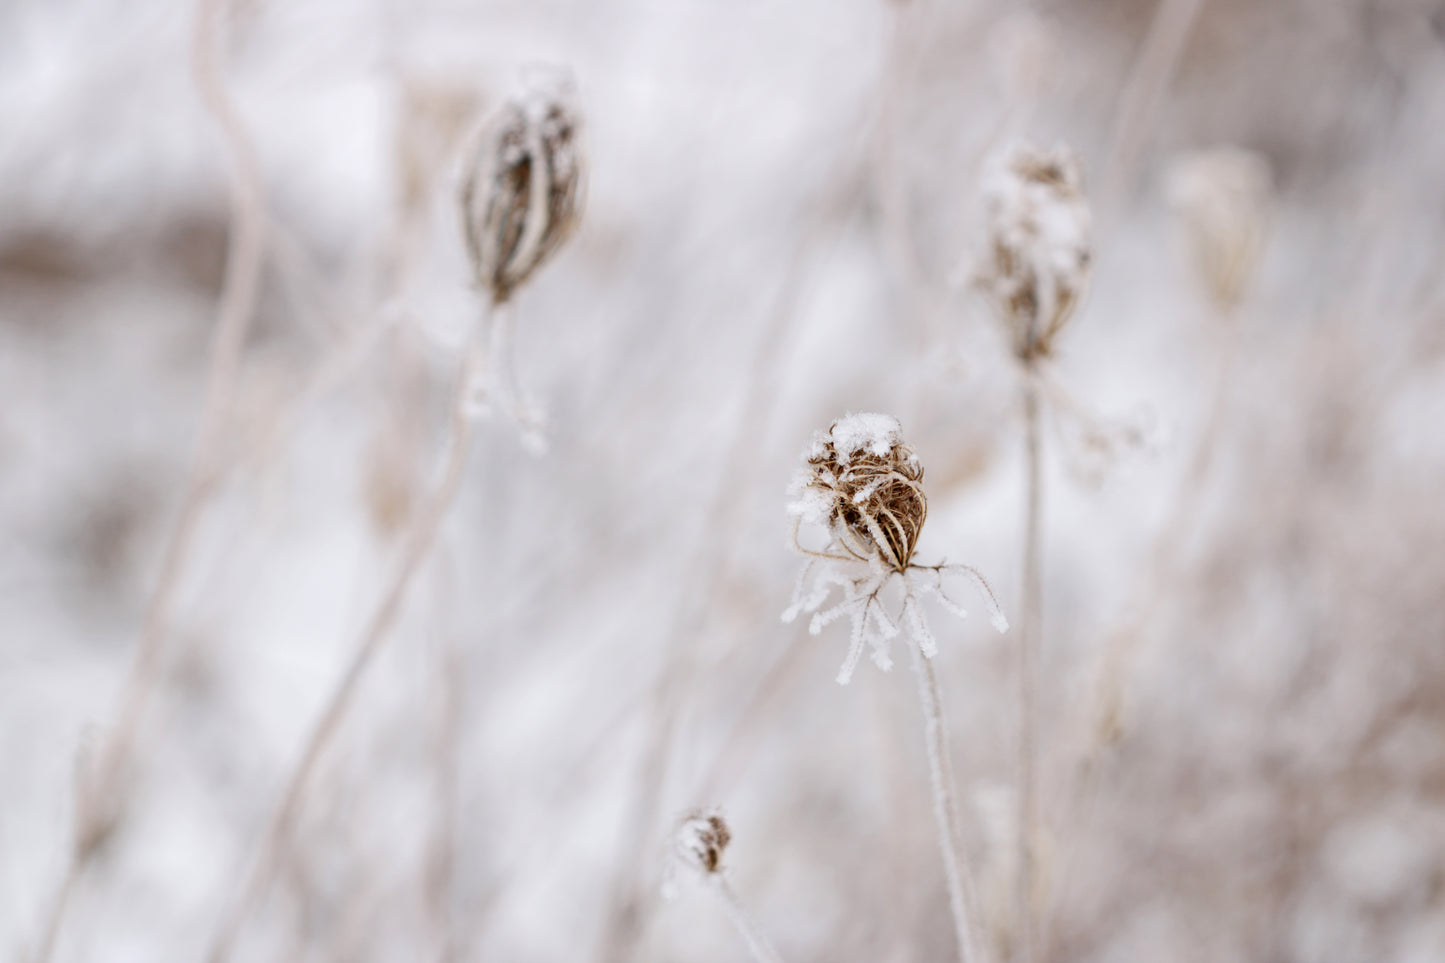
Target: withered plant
(1033,273)
(864,486)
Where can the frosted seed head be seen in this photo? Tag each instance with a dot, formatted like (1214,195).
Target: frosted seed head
(700,840)
(865,485)
(1224,197)
(523,184)
(1034,268)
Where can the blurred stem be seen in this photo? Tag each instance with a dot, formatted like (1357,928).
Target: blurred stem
(100,790)
(1029,645)
(961,901)
(417,548)
(1166,565)
(758,946)
(1149,77)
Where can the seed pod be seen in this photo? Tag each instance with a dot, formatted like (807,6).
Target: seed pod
(522,189)
(866,485)
(1035,265)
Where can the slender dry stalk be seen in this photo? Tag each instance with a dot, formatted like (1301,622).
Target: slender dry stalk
(962,900)
(758,946)
(1148,78)
(1034,270)
(1030,636)
(440,883)
(101,790)
(417,548)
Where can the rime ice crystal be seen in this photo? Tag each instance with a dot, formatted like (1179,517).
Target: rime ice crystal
(1035,265)
(864,486)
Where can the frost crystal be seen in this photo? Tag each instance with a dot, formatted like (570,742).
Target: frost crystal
(864,486)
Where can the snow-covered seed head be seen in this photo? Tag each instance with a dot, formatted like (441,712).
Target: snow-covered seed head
(1034,268)
(1224,196)
(522,186)
(866,486)
(700,840)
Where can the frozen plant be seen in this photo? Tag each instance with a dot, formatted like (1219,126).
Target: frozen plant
(865,487)
(1033,271)
(698,843)
(521,198)
(1034,268)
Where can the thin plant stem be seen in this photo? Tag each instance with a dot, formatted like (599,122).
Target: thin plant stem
(104,785)
(758,946)
(1166,566)
(1139,101)
(961,900)
(417,548)
(1028,670)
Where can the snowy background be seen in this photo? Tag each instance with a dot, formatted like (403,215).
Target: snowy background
(1244,667)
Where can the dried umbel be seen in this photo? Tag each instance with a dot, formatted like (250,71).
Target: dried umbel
(1034,268)
(522,187)
(1224,196)
(867,487)
(700,840)
(864,486)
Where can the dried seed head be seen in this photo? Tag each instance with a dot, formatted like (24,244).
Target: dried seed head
(1035,266)
(700,840)
(1224,196)
(866,486)
(522,188)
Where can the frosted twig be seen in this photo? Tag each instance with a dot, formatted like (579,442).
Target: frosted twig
(962,902)
(1028,668)
(762,951)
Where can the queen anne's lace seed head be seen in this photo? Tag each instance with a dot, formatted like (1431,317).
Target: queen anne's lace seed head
(1035,265)
(522,187)
(866,486)
(1224,197)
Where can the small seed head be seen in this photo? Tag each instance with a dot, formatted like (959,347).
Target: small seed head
(700,840)
(866,486)
(1035,265)
(522,188)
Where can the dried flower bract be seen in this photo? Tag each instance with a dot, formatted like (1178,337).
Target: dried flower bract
(523,186)
(1035,265)
(867,487)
